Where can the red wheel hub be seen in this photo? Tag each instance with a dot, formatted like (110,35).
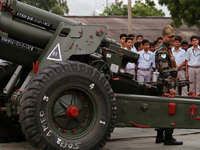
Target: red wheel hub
(72,112)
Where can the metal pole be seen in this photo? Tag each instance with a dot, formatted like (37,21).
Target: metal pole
(107,3)
(130,30)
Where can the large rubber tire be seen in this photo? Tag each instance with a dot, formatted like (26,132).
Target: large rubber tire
(10,128)
(68,105)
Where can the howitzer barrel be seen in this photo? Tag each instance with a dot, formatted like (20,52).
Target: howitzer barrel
(28,25)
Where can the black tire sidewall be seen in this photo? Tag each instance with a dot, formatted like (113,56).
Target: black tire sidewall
(101,98)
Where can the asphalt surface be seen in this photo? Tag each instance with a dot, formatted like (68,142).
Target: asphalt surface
(133,139)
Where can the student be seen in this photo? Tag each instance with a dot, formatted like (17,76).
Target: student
(185,45)
(144,63)
(122,40)
(130,67)
(180,58)
(133,47)
(138,46)
(159,41)
(139,38)
(193,65)
(152,47)
(153,50)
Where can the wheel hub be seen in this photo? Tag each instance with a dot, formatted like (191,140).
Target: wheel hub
(72,112)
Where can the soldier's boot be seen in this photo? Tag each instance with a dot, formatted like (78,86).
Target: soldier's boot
(160,136)
(169,140)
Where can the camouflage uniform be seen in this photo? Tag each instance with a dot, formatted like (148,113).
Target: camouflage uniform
(166,65)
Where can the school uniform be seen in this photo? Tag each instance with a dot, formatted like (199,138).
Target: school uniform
(180,57)
(193,57)
(130,67)
(145,62)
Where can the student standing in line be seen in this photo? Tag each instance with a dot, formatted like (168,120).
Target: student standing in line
(144,63)
(185,45)
(130,67)
(180,58)
(122,40)
(193,65)
(139,38)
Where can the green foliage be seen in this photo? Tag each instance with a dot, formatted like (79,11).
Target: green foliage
(183,11)
(139,9)
(56,6)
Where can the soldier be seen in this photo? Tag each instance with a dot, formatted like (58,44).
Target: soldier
(166,65)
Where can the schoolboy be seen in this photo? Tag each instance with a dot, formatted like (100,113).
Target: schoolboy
(180,58)
(144,63)
(122,40)
(193,65)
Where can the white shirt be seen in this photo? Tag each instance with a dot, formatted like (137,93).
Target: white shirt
(1,60)
(193,56)
(145,60)
(180,56)
(131,65)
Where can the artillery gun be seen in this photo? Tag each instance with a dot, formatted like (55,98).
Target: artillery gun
(63,84)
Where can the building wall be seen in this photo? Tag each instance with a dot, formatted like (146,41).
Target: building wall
(149,27)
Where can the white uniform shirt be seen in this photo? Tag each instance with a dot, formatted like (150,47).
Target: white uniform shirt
(145,60)
(193,57)
(131,65)
(1,60)
(180,56)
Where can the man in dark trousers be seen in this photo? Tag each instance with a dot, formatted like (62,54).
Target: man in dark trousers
(166,83)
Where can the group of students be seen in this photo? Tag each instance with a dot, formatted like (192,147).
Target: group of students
(187,57)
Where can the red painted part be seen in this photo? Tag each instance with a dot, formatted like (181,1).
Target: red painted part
(171,96)
(166,95)
(1,3)
(106,49)
(86,116)
(120,51)
(197,118)
(173,124)
(81,125)
(172,108)
(125,102)
(72,112)
(193,109)
(148,86)
(64,131)
(100,31)
(4,89)
(90,36)
(115,95)
(140,126)
(192,94)
(20,91)
(116,79)
(35,67)
(81,97)
(86,106)
(56,125)
(121,55)
(73,130)
(12,12)
(0,31)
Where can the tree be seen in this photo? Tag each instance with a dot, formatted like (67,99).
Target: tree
(55,6)
(183,11)
(139,9)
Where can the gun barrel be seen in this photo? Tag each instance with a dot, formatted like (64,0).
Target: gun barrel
(31,26)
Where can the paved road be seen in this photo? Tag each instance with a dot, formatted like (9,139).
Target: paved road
(133,139)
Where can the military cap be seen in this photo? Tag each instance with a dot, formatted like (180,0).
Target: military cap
(168,30)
